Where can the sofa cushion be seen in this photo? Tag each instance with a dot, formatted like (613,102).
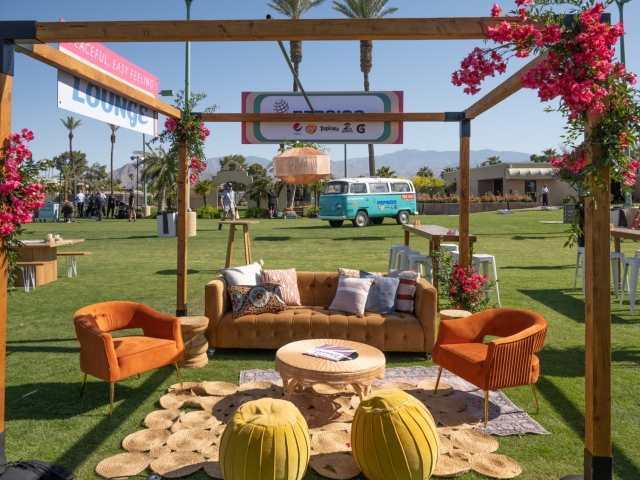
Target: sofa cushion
(391,333)
(247,275)
(407,289)
(137,353)
(352,294)
(289,282)
(382,294)
(256,299)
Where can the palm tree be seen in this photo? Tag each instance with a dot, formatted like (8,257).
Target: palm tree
(203,187)
(259,189)
(294,9)
(317,188)
(425,172)
(365,9)
(546,156)
(71,124)
(385,172)
(239,159)
(448,169)
(113,141)
(161,169)
(492,160)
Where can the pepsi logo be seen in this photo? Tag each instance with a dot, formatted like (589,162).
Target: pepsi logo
(297,127)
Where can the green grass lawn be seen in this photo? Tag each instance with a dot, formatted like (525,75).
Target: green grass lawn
(47,420)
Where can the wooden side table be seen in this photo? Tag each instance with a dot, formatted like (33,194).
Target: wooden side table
(195,343)
(304,370)
(453,314)
(247,244)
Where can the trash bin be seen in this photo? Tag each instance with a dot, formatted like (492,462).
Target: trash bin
(146,211)
(193,221)
(166,222)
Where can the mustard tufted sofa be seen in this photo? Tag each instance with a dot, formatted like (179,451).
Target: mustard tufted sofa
(401,332)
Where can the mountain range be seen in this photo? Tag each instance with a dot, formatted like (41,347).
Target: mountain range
(404,162)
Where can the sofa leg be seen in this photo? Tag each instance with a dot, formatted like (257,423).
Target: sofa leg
(486,408)
(435,390)
(428,355)
(111,395)
(175,364)
(84,380)
(535,398)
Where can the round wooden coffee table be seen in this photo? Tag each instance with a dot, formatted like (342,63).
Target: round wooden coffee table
(305,370)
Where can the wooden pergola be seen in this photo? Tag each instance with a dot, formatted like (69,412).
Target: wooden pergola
(31,38)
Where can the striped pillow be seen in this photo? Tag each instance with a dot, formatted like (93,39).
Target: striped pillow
(289,281)
(406,290)
(351,296)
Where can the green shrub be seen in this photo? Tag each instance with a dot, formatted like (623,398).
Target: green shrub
(207,212)
(255,212)
(313,209)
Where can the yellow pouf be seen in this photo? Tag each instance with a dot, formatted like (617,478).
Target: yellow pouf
(265,439)
(394,437)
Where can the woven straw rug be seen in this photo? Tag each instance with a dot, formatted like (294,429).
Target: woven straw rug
(505,418)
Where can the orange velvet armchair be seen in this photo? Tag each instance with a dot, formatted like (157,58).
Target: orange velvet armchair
(115,358)
(505,362)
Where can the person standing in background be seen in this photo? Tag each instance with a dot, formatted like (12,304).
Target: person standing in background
(111,205)
(545,195)
(100,201)
(132,206)
(228,203)
(80,202)
(67,211)
(273,203)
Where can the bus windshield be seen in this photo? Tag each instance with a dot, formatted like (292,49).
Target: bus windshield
(336,188)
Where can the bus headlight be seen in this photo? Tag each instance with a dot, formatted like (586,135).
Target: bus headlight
(338,206)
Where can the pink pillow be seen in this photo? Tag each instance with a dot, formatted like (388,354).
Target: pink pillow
(288,279)
(406,290)
(351,296)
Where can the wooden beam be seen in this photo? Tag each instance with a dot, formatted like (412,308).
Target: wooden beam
(6,93)
(323,117)
(597,320)
(183,229)
(468,28)
(507,88)
(66,63)
(463,218)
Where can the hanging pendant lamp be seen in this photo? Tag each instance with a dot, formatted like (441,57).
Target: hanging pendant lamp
(301,166)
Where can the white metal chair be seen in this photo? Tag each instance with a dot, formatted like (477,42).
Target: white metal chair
(403,258)
(448,247)
(634,264)
(420,262)
(483,260)
(393,254)
(617,260)
(579,257)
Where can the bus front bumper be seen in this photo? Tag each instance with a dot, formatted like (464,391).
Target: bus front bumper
(332,217)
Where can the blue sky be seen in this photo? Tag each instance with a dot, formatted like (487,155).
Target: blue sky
(422,69)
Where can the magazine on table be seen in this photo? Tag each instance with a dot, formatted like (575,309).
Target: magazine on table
(332,352)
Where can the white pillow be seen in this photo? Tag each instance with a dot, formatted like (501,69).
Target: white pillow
(247,275)
(351,296)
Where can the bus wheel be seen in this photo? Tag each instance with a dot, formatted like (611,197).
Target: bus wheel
(377,220)
(336,223)
(402,218)
(361,219)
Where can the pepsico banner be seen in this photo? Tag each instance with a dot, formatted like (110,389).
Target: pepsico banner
(283,103)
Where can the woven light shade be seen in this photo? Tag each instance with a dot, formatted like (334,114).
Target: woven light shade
(394,436)
(270,430)
(301,166)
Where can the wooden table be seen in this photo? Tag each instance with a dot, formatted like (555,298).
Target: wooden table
(247,244)
(305,370)
(45,253)
(628,233)
(195,343)
(435,234)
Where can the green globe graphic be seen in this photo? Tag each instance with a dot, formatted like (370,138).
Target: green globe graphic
(281,106)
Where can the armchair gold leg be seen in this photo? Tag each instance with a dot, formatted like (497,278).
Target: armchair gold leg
(84,380)
(535,398)
(435,390)
(111,394)
(486,408)
(178,372)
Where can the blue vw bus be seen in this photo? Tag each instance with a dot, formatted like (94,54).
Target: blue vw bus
(367,199)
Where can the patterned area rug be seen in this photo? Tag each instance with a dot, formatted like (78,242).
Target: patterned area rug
(505,418)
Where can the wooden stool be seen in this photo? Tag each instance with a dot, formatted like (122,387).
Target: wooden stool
(453,314)
(247,244)
(195,343)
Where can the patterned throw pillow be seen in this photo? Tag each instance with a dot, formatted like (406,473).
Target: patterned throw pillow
(288,279)
(349,273)
(351,296)
(406,290)
(256,299)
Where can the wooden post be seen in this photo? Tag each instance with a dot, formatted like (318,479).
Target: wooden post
(463,175)
(598,460)
(183,229)
(6,84)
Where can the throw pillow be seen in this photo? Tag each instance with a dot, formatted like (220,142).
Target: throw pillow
(406,290)
(256,299)
(247,275)
(348,272)
(382,295)
(288,279)
(351,296)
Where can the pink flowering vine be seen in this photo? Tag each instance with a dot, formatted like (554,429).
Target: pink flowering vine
(466,290)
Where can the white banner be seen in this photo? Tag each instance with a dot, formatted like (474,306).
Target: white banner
(82,97)
(284,103)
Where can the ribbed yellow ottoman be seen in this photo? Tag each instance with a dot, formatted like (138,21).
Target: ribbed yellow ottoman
(394,437)
(265,439)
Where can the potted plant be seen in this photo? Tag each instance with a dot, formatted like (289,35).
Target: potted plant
(313,212)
